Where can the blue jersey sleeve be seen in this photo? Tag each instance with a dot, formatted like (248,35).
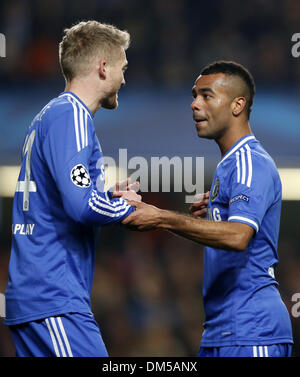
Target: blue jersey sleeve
(252,188)
(68,152)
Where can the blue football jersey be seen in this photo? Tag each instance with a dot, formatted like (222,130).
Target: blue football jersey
(59,205)
(240,292)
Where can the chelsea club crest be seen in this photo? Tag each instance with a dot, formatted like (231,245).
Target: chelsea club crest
(215,190)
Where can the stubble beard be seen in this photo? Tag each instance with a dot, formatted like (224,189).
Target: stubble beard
(110,102)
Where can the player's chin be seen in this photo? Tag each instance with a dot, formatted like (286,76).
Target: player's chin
(111,103)
(204,134)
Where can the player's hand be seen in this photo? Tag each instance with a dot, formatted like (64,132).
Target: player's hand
(199,207)
(125,186)
(127,195)
(145,217)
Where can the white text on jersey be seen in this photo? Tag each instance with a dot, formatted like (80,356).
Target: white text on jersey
(23,229)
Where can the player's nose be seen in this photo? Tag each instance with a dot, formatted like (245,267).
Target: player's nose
(195,105)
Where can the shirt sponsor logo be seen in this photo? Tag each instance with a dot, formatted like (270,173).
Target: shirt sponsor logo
(238,198)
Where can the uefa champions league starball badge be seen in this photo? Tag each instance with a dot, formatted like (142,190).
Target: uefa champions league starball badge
(80,176)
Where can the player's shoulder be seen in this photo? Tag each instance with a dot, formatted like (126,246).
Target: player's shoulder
(248,159)
(64,111)
(56,109)
(262,163)
(65,104)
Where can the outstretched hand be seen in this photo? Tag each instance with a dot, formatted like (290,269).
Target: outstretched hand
(126,190)
(145,216)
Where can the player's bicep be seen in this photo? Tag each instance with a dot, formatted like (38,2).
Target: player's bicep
(251,191)
(243,232)
(68,161)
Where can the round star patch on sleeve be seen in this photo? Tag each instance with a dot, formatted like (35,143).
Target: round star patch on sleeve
(80,176)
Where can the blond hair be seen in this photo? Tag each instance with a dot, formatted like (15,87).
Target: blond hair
(87,40)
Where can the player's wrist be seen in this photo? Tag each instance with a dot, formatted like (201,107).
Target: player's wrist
(165,219)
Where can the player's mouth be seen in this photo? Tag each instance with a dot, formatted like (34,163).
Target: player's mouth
(199,120)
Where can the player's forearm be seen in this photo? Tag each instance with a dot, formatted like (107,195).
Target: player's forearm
(97,209)
(222,235)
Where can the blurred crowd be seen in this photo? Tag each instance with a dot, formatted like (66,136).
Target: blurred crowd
(171,39)
(147,293)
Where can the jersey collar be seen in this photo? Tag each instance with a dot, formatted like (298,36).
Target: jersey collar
(236,146)
(73,95)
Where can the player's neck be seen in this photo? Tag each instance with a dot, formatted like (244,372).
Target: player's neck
(85,94)
(228,139)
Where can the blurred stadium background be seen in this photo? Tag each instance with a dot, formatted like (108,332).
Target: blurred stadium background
(147,290)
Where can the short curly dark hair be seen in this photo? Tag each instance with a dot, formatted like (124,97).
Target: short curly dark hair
(232,68)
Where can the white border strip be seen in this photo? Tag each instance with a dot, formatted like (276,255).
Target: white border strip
(78,102)
(244,219)
(64,335)
(237,154)
(58,337)
(243,166)
(249,165)
(237,147)
(52,338)
(254,351)
(76,124)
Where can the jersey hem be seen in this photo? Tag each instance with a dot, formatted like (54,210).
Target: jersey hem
(35,317)
(247,342)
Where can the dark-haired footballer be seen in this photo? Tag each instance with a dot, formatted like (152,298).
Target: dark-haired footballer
(245,315)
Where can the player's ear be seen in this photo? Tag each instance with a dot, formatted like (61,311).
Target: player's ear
(238,105)
(102,69)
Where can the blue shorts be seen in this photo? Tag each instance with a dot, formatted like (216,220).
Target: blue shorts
(274,350)
(67,335)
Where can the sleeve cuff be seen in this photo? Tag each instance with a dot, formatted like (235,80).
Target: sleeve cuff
(244,220)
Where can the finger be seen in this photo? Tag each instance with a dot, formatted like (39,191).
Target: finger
(200,203)
(134,186)
(200,213)
(198,197)
(117,194)
(124,184)
(136,204)
(195,206)
(204,201)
